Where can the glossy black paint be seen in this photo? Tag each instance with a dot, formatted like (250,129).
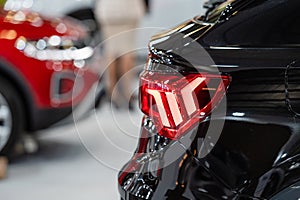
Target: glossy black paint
(257,156)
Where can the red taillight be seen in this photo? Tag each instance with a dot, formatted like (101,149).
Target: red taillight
(66,86)
(177,102)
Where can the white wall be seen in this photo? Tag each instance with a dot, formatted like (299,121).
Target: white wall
(166,14)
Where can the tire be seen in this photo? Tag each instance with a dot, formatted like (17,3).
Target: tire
(12,119)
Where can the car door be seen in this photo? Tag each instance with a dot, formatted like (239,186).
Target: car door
(254,46)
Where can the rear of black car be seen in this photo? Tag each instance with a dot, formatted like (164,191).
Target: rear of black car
(221,100)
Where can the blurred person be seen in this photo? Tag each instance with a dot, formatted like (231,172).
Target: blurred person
(118,19)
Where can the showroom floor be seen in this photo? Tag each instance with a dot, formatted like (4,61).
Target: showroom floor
(76,162)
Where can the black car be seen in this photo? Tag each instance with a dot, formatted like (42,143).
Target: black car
(221,98)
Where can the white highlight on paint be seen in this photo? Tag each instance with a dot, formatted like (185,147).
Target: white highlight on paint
(238,114)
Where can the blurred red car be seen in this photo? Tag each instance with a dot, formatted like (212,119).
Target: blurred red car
(44,77)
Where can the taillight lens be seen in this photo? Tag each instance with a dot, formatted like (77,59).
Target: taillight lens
(177,102)
(66,85)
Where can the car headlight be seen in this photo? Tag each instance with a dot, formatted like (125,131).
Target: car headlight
(54,48)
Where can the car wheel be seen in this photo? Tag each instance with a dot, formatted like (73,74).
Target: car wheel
(11,117)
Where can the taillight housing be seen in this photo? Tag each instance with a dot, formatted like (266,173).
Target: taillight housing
(177,102)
